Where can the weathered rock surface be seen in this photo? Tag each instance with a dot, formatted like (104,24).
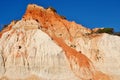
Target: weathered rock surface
(45,46)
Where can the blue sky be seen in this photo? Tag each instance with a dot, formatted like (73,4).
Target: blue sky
(89,13)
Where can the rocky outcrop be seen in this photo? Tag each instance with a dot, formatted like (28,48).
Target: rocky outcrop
(50,19)
(45,46)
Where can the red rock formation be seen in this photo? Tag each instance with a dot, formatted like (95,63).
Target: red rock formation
(50,19)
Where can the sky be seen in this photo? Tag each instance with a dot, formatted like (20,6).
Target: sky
(89,13)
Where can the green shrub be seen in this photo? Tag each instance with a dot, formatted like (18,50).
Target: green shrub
(63,17)
(117,33)
(6,25)
(105,30)
(16,21)
(53,9)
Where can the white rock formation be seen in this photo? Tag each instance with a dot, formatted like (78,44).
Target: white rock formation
(32,52)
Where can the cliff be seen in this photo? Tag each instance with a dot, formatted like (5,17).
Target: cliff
(45,46)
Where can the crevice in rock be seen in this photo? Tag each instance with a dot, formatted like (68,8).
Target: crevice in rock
(19,47)
(4,60)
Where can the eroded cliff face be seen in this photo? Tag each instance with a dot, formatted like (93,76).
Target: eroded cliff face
(27,51)
(45,46)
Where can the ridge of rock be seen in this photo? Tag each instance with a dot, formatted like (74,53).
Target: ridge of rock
(50,19)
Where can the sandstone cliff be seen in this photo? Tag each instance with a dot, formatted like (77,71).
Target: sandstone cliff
(45,46)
